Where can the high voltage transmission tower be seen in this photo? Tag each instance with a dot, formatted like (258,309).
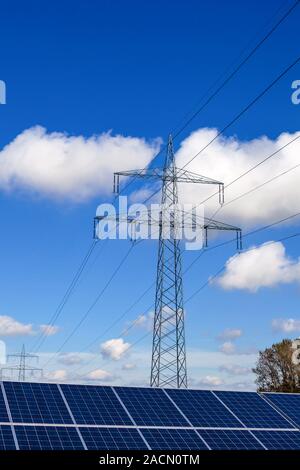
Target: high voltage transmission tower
(168,349)
(22,368)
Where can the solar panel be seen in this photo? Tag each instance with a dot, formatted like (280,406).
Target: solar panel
(91,404)
(36,403)
(48,438)
(227,439)
(288,403)
(150,407)
(203,409)
(3,412)
(279,440)
(41,416)
(252,410)
(112,438)
(164,439)
(6,438)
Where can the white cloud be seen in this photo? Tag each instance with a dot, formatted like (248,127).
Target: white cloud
(49,330)
(70,359)
(234,369)
(227,158)
(75,168)
(289,325)
(141,194)
(264,266)
(228,347)
(143,321)
(230,334)
(99,374)
(57,375)
(114,349)
(11,327)
(128,366)
(210,380)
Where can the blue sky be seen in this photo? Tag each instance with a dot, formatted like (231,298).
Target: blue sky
(136,69)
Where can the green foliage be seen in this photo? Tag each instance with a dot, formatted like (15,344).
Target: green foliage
(275,370)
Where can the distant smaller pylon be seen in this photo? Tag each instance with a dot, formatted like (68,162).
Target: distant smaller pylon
(19,371)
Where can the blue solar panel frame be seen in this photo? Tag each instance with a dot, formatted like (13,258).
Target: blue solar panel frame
(41,416)
(253,410)
(3,411)
(112,438)
(202,408)
(91,404)
(31,402)
(150,407)
(48,438)
(173,439)
(279,440)
(7,441)
(287,403)
(230,439)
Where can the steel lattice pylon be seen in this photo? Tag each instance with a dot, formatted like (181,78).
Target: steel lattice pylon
(168,367)
(22,368)
(168,348)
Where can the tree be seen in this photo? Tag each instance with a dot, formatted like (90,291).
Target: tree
(275,370)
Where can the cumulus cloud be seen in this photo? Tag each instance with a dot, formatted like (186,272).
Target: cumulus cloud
(210,380)
(128,366)
(99,374)
(289,325)
(57,375)
(11,327)
(230,334)
(264,266)
(70,359)
(229,157)
(49,330)
(228,347)
(114,349)
(143,321)
(234,369)
(76,168)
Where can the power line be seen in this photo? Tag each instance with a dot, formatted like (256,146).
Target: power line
(255,166)
(219,271)
(41,338)
(83,318)
(297,234)
(246,108)
(118,319)
(249,105)
(237,117)
(22,367)
(224,83)
(206,249)
(237,69)
(205,284)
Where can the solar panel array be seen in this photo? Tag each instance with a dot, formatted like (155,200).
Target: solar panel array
(41,416)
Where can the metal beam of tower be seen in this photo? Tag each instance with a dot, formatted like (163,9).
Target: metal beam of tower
(168,368)
(22,368)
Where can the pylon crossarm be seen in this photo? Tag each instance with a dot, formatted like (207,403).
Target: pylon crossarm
(155,174)
(177,175)
(186,176)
